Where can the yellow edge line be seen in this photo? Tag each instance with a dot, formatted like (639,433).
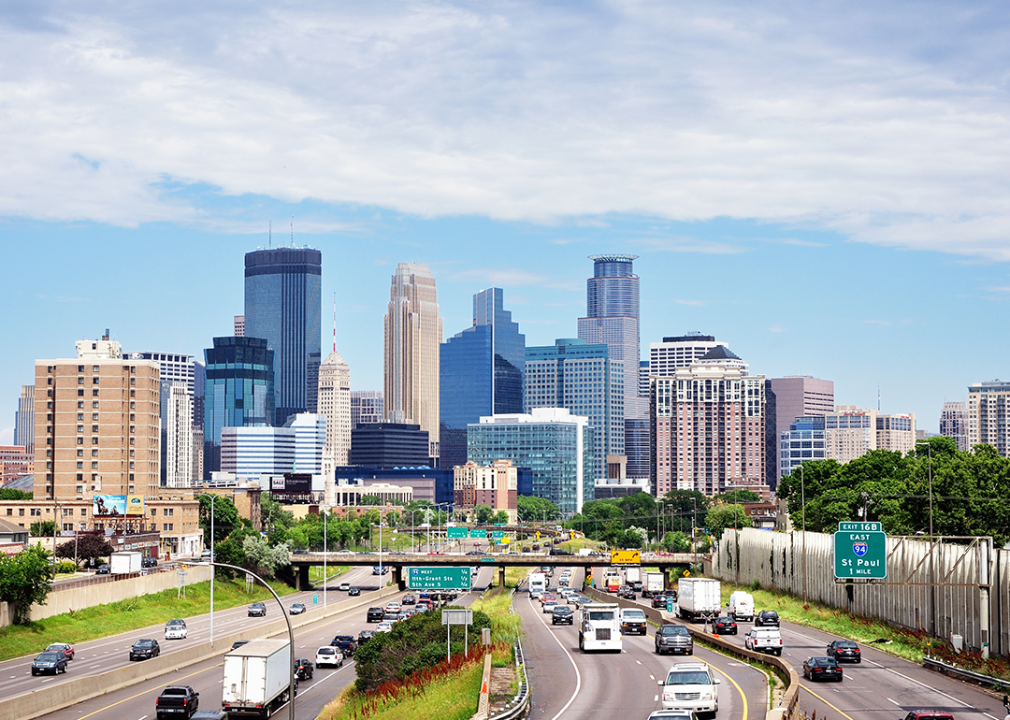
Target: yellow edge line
(819,698)
(739,689)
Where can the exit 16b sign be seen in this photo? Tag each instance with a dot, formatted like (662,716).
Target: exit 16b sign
(860,551)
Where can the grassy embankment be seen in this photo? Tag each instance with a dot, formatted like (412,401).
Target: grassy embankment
(449,697)
(104,620)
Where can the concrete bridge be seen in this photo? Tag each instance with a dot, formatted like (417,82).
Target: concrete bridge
(297,574)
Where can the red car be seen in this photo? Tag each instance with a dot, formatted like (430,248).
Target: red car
(66,648)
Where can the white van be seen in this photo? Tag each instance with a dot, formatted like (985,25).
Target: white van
(741,606)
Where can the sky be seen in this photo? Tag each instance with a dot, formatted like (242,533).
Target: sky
(822,186)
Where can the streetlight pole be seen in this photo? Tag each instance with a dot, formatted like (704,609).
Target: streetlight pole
(929,451)
(324,560)
(213,557)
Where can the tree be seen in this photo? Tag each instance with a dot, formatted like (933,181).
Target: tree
(683,509)
(263,559)
(370,500)
(274,514)
(85,547)
(483,514)
(532,509)
(640,509)
(12,494)
(738,496)
(42,528)
(721,517)
(25,580)
(226,517)
(502,516)
(676,542)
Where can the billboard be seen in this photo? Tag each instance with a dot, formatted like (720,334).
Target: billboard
(292,483)
(135,506)
(109,506)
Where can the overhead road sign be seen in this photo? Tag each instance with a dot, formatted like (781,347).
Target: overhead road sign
(860,550)
(457,532)
(625,557)
(438,578)
(476,533)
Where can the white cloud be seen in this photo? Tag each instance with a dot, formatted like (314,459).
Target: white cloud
(7,436)
(890,125)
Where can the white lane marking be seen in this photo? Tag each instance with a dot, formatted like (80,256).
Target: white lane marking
(652,677)
(892,701)
(639,662)
(655,699)
(94,666)
(49,679)
(578,675)
(142,717)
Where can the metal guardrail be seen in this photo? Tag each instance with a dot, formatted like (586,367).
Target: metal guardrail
(940,665)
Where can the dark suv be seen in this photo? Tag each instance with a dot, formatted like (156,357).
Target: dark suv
(145,649)
(766,617)
(675,639)
(562,614)
(375,614)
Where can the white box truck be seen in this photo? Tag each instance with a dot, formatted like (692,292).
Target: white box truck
(633,577)
(653,584)
(741,605)
(256,678)
(538,584)
(121,563)
(698,597)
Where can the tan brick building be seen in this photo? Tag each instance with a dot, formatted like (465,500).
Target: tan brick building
(495,486)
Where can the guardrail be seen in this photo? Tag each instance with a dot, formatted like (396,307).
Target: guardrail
(941,666)
(519,705)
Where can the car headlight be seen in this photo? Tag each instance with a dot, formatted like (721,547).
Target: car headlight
(706,696)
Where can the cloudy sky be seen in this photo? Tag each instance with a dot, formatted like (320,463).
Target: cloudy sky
(823,186)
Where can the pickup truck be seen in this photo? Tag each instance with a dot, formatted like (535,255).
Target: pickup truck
(346,643)
(767,640)
(177,701)
(633,621)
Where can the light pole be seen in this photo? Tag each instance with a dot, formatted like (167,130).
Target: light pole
(324,561)
(803,503)
(929,451)
(213,557)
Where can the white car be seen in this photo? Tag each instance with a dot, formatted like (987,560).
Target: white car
(344,587)
(384,627)
(176,630)
(329,655)
(549,606)
(690,686)
(393,607)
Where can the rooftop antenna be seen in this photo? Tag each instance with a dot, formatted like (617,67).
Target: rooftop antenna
(270,233)
(334,322)
(878,398)
(292,231)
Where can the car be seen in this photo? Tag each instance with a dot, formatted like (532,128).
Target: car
(344,586)
(659,601)
(329,655)
(626,592)
(633,620)
(672,715)
(724,625)
(549,606)
(766,639)
(384,626)
(408,600)
(392,607)
(391,617)
(304,669)
(103,569)
(822,668)
(375,614)
(49,662)
(559,551)
(296,609)
(928,715)
(353,591)
(636,585)
(176,701)
(346,643)
(562,614)
(257,609)
(239,643)
(364,636)
(765,618)
(66,648)
(690,686)
(674,639)
(148,562)
(176,630)
(844,650)
(421,607)
(380,570)
(145,649)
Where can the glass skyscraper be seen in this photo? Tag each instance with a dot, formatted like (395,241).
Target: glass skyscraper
(481,373)
(239,391)
(283,304)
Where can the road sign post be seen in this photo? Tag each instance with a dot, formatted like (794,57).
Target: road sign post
(860,550)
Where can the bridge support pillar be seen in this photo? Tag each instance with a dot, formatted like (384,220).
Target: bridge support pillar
(398,577)
(501,576)
(302,578)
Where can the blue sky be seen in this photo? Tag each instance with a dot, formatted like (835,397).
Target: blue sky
(822,187)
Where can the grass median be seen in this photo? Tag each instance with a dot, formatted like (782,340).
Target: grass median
(131,614)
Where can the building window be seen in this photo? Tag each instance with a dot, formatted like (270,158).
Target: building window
(133,428)
(80,477)
(10,511)
(132,451)
(80,368)
(133,393)
(80,466)
(133,381)
(84,512)
(132,417)
(168,527)
(94,466)
(94,453)
(169,512)
(94,368)
(94,428)
(80,441)
(94,405)
(154,512)
(80,392)
(94,393)
(80,381)
(130,489)
(131,465)
(94,381)
(21,512)
(94,418)
(80,428)
(94,441)
(132,441)
(133,406)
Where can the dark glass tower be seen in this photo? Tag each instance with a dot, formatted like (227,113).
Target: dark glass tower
(239,391)
(283,304)
(481,373)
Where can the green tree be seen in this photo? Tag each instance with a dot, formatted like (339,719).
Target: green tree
(226,517)
(25,580)
(370,500)
(681,510)
(720,517)
(85,547)
(501,516)
(274,514)
(738,496)
(483,514)
(12,494)
(537,509)
(229,551)
(262,558)
(42,528)
(639,510)
(676,542)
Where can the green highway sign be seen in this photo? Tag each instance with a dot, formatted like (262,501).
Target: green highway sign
(501,524)
(860,551)
(438,578)
(477,534)
(487,559)
(497,534)
(457,532)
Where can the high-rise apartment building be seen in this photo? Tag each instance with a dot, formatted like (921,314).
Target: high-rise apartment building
(954,423)
(239,391)
(789,398)
(495,486)
(367,407)
(583,379)
(177,431)
(96,424)
(335,404)
(556,446)
(283,304)
(412,335)
(612,318)
(851,432)
(481,371)
(989,415)
(802,442)
(708,427)
(173,368)
(24,420)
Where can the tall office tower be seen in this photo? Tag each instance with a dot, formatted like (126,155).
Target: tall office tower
(802,442)
(335,404)
(988,416)
(555,445)
(954,423)
(309,430)
(389,445)
(708,427)
(199,391)
(612,318)
(173,368)
(197,453)
(283,304)
(366,407)
(97,424)
(582,378)
(789,398)
(481,372)
(24,420)
(177,451)
(681,351)
(412,334)
(239,391)
(850,432)
(239,326)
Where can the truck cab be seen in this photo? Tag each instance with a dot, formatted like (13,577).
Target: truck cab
(600,627)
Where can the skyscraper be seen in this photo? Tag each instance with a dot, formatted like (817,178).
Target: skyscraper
(612,318)
(366,407)
(582,378)
(335,404)
(412,335)
(283,304)
(177,433)
(239,391)
(24,420)
(481,372)
(851,432)
(954,423)
(988,416)
(790,398)
(173,368)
